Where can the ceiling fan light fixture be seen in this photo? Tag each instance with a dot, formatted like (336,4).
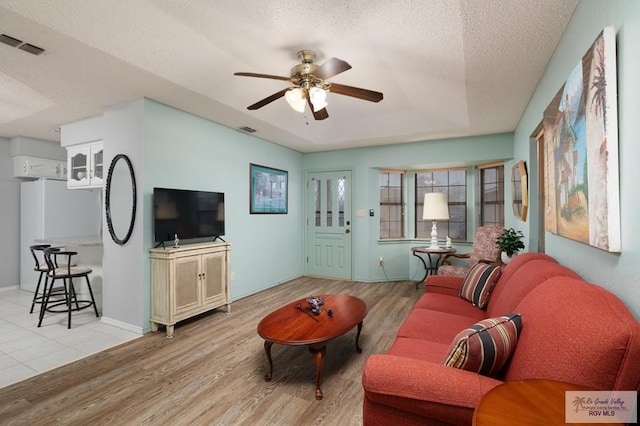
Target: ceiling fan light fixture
(318,98)
(295,99)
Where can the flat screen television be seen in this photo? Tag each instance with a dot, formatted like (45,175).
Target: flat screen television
(188,214)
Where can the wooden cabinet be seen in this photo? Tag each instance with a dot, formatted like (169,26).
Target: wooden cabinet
(85,166)
(187,281)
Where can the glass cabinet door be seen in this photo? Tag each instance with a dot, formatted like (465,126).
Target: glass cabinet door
(78,168)
(98,169)
(85,166)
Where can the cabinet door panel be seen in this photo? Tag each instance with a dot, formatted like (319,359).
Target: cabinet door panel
(215,271)
(78,167)
(97,171)
(187,284)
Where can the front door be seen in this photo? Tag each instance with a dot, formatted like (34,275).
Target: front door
(329,224)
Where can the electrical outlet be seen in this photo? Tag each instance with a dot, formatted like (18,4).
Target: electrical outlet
(233,276)
(381,262)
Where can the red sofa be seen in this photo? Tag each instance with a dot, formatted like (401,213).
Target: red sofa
(572,331)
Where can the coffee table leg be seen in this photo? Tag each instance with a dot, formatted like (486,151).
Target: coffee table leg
(318,356)
(267,349)
(358,348)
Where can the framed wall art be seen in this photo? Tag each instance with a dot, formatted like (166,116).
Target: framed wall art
(581,151)
(268,190)
(519,191)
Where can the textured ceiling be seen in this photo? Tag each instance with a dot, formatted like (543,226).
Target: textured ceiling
(447,68)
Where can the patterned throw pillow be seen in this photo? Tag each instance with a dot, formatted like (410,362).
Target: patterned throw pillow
(486,346)
(479,282)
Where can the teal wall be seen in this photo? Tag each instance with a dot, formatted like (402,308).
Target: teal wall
(171,148)
(618,272)
(185,151)
(365,164)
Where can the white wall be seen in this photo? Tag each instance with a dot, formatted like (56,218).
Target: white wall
(620,273)
(125,291)
(9,219)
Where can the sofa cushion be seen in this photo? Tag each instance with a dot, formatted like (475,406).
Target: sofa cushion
(450,304)
(507,295)
(486,346)
(478,284)
(579,321)
(423,350)
(435,326)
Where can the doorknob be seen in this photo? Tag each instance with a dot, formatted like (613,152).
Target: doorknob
(346,231)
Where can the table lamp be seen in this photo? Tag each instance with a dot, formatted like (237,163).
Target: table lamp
(435,208)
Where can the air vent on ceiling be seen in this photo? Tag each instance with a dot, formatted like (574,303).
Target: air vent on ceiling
(35,50)
(14,42)
(247,129)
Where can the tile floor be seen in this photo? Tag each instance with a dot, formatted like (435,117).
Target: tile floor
(26,350)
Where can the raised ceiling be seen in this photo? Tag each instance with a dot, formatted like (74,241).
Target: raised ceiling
(447,68)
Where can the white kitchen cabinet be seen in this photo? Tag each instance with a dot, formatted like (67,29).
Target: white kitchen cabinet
(187,281)
(35,168)
(85,168)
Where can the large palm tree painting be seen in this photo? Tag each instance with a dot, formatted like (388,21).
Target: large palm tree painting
(581,151)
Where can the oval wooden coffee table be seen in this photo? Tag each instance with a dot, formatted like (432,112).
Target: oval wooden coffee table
(294,326)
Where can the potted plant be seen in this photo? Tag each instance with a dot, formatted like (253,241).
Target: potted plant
(510,242)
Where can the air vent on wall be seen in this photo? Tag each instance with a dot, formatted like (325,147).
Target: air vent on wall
(247,129)
(14,42)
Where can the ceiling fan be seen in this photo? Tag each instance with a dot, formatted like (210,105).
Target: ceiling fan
(310,85)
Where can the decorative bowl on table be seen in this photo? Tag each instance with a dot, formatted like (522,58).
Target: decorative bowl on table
(315,302)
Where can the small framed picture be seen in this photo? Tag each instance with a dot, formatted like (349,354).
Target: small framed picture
(268,190)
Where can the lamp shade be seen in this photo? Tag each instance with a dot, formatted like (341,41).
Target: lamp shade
(296,99)
(318,98)
(436,206)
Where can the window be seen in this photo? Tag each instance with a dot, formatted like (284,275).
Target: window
(452,182)
(492,195)
(391,205)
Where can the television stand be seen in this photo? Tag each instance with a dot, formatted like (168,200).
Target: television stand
(187,281)
(218,237)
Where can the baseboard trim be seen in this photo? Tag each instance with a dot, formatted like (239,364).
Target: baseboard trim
(123,325)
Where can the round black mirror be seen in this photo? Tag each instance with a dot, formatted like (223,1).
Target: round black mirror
(120,199)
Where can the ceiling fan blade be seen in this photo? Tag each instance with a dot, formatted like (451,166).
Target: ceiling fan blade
(252,74)
(356,92)
(333,66)
(268,99)
(318,115)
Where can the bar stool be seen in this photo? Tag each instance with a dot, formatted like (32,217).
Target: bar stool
(42,268)
(66,273)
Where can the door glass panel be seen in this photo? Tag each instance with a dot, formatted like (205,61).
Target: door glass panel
(341,189)
(316,201)
(329,202)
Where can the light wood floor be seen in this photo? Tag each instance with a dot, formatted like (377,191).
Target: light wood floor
(212,371)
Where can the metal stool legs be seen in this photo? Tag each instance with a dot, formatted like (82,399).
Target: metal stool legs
(67,273)
(36,297)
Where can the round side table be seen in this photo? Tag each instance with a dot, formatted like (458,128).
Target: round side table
(526,403)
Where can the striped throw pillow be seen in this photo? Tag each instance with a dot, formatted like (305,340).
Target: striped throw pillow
(486,346)
(478,284)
